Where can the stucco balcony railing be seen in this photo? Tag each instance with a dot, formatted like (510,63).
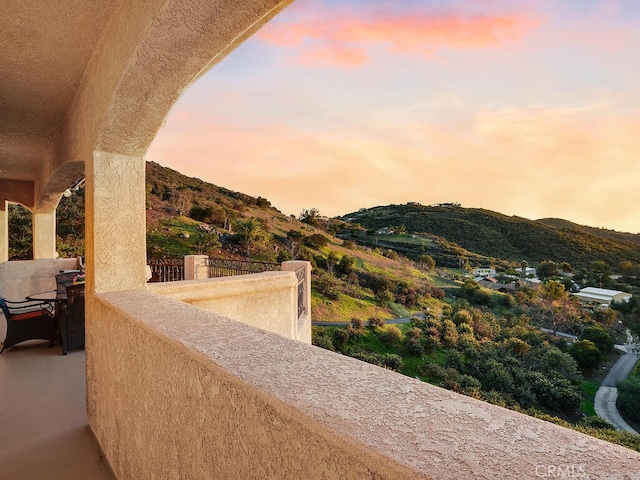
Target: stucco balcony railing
(186,393)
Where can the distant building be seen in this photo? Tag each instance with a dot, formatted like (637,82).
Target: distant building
(484,272)
(602,296)
(384,231)
(487,282)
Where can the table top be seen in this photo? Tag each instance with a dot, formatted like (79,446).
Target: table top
(51,296)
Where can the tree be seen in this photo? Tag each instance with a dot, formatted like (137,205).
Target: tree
(331,261)
(586,354)
(523,269)
(566,267)
(20,233)
(250,232)
(316,240)
(345,266)
(206,243)
(554,290)
(427,261)
(547,269)
(310,217)
(599,337)
(600,272)
(293,243)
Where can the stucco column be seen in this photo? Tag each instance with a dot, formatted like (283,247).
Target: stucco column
(195,267)
(115,222)
(44,235)
(4,232)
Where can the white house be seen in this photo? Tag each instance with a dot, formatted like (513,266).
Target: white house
(484,272)
(602,296)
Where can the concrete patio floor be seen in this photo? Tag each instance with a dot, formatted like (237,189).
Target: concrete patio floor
(44,432)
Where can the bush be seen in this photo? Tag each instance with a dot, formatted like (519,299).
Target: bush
(628,395)
(376,322)
(596,422)
(385,298)
(316,241)
(321,339)
(393,362)
(357,325)
(390,334)
(600,338)
(326,285)
(340,338)
(586,354)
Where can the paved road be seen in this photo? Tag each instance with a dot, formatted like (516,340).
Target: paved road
(607,394)
(560,334)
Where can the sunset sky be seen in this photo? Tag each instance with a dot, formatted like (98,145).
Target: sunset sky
(525,108)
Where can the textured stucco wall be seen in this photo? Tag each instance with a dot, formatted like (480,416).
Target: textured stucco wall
(178,392)
(116,254)
(4,232)
(19,279)
(44,235)
(264,300)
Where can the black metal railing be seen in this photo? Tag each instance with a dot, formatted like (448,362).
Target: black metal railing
(301,276)
(221,267)
(166,269)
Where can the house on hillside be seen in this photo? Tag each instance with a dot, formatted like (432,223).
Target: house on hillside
(384,231)
(603,296)
(484,272)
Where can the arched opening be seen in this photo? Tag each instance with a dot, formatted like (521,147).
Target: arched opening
(20,232)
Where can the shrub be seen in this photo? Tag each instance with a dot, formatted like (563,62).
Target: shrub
(600,338)
(340,338)
(316,241)
(322,339)
(393,362)
(449,333)
(326,285)
(596,422)
(586,354)
(357,324)
(376,322)
(391,334)
(385,298)
(628,395)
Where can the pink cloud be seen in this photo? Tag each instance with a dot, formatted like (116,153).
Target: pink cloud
(341,36)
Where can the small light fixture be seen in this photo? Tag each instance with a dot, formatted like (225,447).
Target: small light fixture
(67,193)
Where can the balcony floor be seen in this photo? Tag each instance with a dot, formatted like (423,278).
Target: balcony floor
(43,424)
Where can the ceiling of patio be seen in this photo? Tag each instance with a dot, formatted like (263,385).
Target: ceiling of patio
(44,49)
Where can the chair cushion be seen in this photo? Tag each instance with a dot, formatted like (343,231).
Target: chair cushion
(27,315)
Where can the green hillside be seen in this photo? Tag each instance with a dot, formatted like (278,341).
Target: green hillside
(483,234)
(480,342)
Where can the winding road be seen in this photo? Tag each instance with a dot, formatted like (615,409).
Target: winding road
(607,394)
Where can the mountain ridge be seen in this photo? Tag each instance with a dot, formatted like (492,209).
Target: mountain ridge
(495,235)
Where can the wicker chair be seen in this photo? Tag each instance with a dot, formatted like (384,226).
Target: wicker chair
(27,320)
(72,319)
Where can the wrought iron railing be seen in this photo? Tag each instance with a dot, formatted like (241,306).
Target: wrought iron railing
(301,276)
(221,267)
(166,269)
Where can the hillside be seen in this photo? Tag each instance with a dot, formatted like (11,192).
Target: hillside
(484,235)
(598,232)
(480,342)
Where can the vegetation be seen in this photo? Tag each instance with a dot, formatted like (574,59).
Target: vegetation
(479,342)
(482,235)
(628,395)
